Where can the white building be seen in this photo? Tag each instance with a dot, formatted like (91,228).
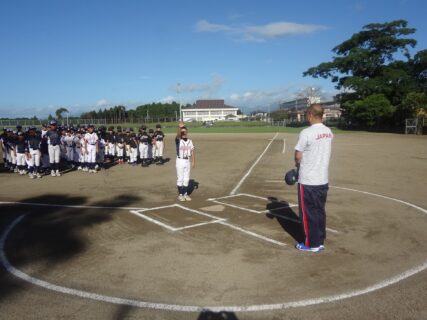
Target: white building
(209,110)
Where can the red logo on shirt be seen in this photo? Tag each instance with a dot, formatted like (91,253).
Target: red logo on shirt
(324,136)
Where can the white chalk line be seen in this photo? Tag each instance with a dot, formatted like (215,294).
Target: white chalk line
(171,228)
(152,220)
(269,211)
(188,308)
(33,204)
(216,220)
(290,205)
(253,234)
(284,146)
(275,181)
(253,166)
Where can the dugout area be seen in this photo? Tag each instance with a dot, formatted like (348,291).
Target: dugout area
(225,251)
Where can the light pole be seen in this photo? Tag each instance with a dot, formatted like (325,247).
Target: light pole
(178,89)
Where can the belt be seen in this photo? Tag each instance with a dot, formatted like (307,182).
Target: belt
(185,158)
(92,144)
(53,144)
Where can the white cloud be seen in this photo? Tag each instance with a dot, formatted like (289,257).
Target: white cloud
(259,33)
(259,98)
(101,103)
(207,88)
(168,99)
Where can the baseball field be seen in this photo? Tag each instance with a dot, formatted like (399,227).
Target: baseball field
(117,244)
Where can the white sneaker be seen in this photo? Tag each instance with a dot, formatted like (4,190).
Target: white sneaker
(52,173)
(31,176)
(79,168)
(21,172)
(38,175)
(85,169)
(57,173)
(16,170)
(181,198)
(187,197)
(96,167)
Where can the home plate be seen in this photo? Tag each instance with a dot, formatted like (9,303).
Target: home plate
(216,208)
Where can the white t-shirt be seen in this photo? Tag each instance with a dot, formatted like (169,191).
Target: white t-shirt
(315,144)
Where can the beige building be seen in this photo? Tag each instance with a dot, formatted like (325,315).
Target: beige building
(209,110)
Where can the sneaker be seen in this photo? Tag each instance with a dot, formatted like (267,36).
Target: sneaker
(187,197)
(52,173)
(57,173)
(38,175)
(322,247)
(79,168)
(181,198)
(31,176)
(21,172)
(85,169)
(302,247)
(16,170)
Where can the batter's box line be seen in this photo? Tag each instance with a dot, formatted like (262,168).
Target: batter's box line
(268,211)
(169,227)
(216,220)
(215,200)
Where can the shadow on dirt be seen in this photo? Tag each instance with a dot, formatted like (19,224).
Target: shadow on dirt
(50,235)
(286,217)
(192,185)
(222,315)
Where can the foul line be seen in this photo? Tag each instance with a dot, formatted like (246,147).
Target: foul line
(34,204)
(253,166)
(284,146)
(188,308)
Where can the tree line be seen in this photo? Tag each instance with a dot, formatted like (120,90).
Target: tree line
(381,82)
(119,114)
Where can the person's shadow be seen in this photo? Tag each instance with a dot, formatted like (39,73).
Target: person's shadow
(222,315)
(192,185)
(286,217)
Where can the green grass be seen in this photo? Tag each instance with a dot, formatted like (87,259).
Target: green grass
(219,127)
(246,130)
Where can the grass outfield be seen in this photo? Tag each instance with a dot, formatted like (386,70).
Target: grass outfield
(246,130)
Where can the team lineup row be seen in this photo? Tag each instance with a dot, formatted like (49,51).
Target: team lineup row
(51,149)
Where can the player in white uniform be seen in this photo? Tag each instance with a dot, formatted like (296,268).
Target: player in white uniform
(91,146)
(185,160)
(68,141)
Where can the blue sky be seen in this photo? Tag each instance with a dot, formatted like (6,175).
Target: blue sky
(87,54)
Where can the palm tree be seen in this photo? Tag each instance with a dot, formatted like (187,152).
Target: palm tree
(59,113)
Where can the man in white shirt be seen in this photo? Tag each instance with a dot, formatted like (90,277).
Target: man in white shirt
(312,154)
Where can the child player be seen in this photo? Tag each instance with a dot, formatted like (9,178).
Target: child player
(184,154)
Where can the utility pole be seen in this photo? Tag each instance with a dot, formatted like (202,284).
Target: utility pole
(178,89)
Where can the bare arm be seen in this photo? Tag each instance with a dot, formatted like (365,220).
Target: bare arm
(298,157)
(193,159)
(178,132)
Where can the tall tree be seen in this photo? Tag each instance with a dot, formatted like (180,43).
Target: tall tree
(59,113)
(375,61)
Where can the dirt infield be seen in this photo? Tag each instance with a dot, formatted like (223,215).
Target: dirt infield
(117,245)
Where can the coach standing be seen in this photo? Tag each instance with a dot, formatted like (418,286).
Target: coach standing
(312,154)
